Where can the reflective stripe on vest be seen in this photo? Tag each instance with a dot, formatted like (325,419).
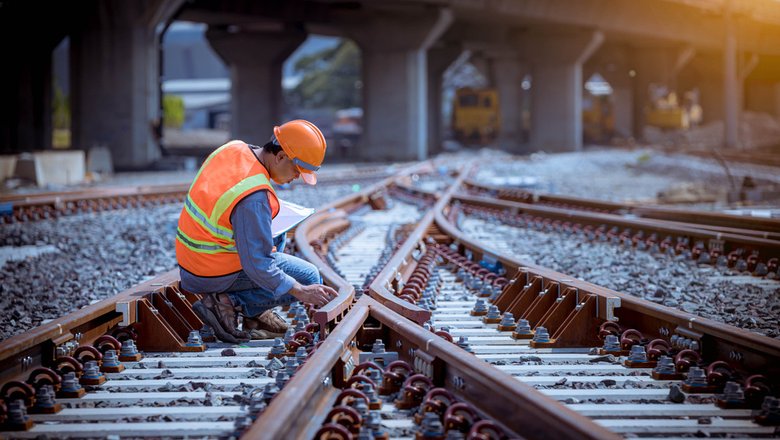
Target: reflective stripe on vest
(202,246)
(205,244)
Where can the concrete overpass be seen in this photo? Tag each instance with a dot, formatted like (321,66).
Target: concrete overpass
(730,49)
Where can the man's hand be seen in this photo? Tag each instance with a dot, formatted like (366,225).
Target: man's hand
(317,294)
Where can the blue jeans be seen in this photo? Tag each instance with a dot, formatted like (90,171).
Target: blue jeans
(256,300)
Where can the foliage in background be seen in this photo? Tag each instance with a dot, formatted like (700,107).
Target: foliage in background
(330,78)
(173,111)
(60,108)
(60,115)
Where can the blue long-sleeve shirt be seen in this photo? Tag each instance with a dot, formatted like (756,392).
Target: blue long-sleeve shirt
(251,219)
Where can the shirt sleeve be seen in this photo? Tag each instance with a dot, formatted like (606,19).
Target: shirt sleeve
(251,219)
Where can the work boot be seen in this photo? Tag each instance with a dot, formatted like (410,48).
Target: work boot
(228,315)
(221,318)
(210,319)
(267,325)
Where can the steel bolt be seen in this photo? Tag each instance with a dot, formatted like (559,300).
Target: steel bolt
(611,343)
(665,365)
(637,354)
(523,327)
(507,320)
(194,339)
(696,377)
(128,348)
(541,335)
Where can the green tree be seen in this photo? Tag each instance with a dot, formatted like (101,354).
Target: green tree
(60,108)
(173,111)
(331,78)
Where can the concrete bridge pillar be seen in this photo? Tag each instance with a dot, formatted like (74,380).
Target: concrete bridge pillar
(556,90)
(613,65)
(439,59)
(507,76)
(115,68)
(26,96)
(395,78)
(255,60)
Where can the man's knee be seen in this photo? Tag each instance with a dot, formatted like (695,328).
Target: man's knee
(310,274)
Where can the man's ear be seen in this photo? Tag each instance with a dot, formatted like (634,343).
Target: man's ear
(280,156)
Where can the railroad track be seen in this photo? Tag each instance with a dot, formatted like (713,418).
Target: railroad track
(713,221)
(384,367)
(44,205)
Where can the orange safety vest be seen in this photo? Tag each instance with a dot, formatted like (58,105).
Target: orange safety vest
(205,245)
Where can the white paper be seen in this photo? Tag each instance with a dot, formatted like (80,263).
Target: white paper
(289,216)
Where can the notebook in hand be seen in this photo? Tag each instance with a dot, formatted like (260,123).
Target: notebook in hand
(289,216)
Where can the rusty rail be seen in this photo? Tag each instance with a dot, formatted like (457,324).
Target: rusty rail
(38,345)
(333,217)
(715,221)
(718,340)
(766,248)
(296,412)
(389,282)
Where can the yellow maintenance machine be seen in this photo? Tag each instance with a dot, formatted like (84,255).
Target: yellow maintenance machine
(475,115)
(667,112)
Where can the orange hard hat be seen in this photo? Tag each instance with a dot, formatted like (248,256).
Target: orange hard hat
(305,145)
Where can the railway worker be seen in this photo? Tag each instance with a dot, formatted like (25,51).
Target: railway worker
(224,244)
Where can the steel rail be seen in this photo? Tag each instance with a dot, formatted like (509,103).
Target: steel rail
(761,227)
(333,217)
(766,248)
(22,207)
(717,340)
(297,411)
(37,346)
(22,352)
(389,280)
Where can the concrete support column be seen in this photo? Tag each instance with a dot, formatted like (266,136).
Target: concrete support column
(26,96)
(255,60)
(115,68)
(395,78)
(556,91)
(507,75)
(730,84)
(439,59)
(622,100)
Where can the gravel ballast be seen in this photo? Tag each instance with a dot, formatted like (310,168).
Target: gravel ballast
(721,294)
(53,267)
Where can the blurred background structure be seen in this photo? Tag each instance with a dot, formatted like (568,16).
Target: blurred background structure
(149,83)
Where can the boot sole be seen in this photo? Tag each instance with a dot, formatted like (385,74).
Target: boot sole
(208,317)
